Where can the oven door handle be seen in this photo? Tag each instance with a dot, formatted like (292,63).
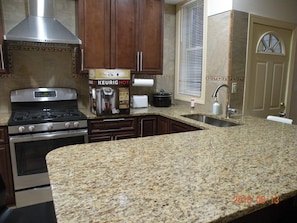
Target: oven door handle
(48,135)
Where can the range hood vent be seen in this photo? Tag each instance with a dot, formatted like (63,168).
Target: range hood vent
(41,26)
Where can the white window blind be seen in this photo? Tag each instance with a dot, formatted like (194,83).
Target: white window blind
(191,49)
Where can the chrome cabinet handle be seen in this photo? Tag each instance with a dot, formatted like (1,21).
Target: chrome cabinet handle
(141,128)
(113,119)
(82,59)
(137,58)
(140,69)
(2,60)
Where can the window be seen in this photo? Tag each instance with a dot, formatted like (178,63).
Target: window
(270,43)
(190,51)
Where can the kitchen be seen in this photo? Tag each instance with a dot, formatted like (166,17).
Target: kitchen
(65,77)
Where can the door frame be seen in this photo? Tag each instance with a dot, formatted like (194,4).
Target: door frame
(290,71)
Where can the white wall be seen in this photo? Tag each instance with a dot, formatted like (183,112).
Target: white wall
(218,6)
(285,10)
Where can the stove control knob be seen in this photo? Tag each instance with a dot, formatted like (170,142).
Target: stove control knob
(67,125)
(76,124)
(31,128)
(50,126)
(21,129)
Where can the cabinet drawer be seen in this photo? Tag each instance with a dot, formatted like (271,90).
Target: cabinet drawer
(112,125)
(100,137)
(181,127)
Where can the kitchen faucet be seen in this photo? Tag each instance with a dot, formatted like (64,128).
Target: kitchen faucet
(229,110)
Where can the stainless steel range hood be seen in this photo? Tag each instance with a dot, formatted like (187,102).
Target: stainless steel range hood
(41,26)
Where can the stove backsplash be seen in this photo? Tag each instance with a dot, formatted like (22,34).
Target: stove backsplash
(42,66)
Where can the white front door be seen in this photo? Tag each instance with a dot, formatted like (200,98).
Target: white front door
(266,80)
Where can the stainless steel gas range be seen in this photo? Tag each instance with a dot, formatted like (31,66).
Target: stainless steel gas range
(42,120)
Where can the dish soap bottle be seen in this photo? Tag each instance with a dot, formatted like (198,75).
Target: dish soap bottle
(216,107)
(192,103)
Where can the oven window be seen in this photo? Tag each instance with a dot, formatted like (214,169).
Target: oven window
(30,156)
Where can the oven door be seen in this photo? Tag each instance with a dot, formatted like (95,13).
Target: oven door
(28,154)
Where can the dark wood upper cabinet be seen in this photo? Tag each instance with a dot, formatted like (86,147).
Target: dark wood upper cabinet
(94,31)
(3,69)
(124,34)
(150,34)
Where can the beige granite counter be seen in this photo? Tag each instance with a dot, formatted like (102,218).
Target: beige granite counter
(4,117)
(196,176)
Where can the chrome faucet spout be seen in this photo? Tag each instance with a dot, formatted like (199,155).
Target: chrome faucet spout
(215,93)
(228,109)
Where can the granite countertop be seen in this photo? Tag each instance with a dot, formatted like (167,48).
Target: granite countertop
(213,175)
(4,117)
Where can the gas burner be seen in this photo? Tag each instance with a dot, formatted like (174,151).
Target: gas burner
(33,117)
(52,115)
(20,116)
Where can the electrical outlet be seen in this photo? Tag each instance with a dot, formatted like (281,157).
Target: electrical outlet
(234,88)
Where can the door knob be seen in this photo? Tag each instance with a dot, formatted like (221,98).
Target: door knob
(282,104)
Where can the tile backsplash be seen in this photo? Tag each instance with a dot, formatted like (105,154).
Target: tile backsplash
(42,69)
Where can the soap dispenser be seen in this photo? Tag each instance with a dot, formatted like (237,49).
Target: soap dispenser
(216,107)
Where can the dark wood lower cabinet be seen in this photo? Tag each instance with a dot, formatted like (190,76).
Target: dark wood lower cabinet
(168,126)
(5,166)
(130,127)
(159,125)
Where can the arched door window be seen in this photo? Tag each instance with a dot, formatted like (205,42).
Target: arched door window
(270,43)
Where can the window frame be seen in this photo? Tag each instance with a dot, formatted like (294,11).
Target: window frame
(179,15)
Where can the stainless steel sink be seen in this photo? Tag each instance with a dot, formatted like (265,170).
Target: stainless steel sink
(210,120)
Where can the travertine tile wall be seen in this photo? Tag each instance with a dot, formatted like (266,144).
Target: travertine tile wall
(166,81)
(226,59)
(217,59)
(238,44)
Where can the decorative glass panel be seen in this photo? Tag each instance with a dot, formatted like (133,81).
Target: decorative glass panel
(270,43)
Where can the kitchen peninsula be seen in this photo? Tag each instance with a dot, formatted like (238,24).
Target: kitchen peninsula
(213,175)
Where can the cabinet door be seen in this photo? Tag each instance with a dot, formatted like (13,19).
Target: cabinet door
(150,31)
(163,125)
(5,166)
(123,34)
(107,29)
(6,173)
(94,31)
(147,126)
